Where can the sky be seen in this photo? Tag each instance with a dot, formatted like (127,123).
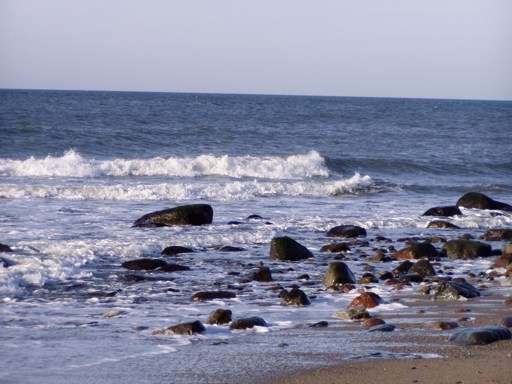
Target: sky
(383,48)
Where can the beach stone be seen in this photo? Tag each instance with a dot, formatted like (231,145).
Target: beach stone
(366,300)
(113,313)
(320,324)
(220,316)
(368,278)
(503,261)
(402,268)
(353,314)
(507,321)
(416,251)
(174,250)
(229,248)
(497,234)
(248,322)
(346,231)
(335,248)
(423,268)
(372,322)
(480,335)
(452,290)
(286,249)
(466,249)
(480,201)
(152,265)
(194,214)
(441,224)
(262,274)
(382,328)
(5,248)
(445,325)
(446,211)
(338,273)
(213,295)
(190,328)
(294,297)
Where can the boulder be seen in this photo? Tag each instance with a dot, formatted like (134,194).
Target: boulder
(346,231)
(262,274)
(416,251)
(447,211)
(174,250)
(213,295)
(148,264)
(480,335)
(480,201)
(498,234)
(5,248)
(194,214)
(335,248)
(190,328)
(466,249)
(441,224)
(219,316)
(366,300)
(248,322)
(294,297)
(286,249)
(454,290)
(423,268)
(338,273)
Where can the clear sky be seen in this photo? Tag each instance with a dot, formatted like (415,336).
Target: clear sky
(408,48)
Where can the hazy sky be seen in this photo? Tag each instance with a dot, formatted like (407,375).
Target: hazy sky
(410,48)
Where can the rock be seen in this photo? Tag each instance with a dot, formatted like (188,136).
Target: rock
(442,225)
(190,328)
(445,325)
(507,321)
(320,324)
(367,278)
(262,274)
(402,268)
(382,328)
(366,300)
(452,290)
(480,336)
(447,211)
(229,248)
(294,297)
(6,263)
(498,234)
(254,217)
(219,316)
(379,257)
(503,261)
(507,249)
(173,250)
(346,231)
(335,248)
(353,314)
(338,273)
(213,295)
(152,265)
(113,313)
(286,249)
(5,248)
(416,251)
(248,322)
(466,249)
(423,268)
(195,214)
(481,201)
(372,322)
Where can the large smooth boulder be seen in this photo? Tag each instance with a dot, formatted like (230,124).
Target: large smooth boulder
(498,234)
(338,273)
(147,264)
(481,201)
(346,231)
(466,249)
(416,251)
(286,249)
(447,211)
(454,290)
(480,335)
(194,214)
(248,322)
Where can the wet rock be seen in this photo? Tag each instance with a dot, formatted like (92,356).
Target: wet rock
(382,328)
(367,278)
(335,248)
(194,214)
(153,265)
(423,268)
(411,278)
(219,316)
(372,322)
(441,224)
(452,290)
(382,238)
(344,288)
(353,314)
(366,300)
(262,274)
(481,201)
(480,336)
(346,231)
(248,322)
(416,251)
(446,211)
(466,249)
(498,234)
(190,328)
(338,273)
(5,248)
(445,325)
(504,261)
(286,249)
(320,324)
(403,268)
(234,222)
(386,275)
(229,248)
(213,295)
(507,249)
(379,257)
(254,217)
(174,250)
(113,313)
(294,297)
(304,276)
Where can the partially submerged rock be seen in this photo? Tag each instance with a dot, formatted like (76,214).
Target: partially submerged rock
(286,249)
(382,328)
(346,231)
(338,273)
(366,300)
(220,316)
(113,313)
(149,264)
(262,274)
(416,251)
(335,248)
(423,268)
(294,297)
(466,249)
(194,214)
(480,201)
(498,234)
(441,224)
(213,295)
(174,250)
(248,322)
(5,248)
(353,314)
(480,335)
(372,322)
(190,328)
(454,290)
(446,211)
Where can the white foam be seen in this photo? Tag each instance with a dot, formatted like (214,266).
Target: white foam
(72,164)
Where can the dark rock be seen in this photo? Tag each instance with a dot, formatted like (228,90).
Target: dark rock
(213,295)
(423,268)
(183,329)
(248,322)
(229,248)
(481,201)
(445,325)
(346,231)
(153,264)
(367,278)
(335,248)
(219,316)
(175,249)
(466,249)
(386,275)
(286,249)
(403,268)
(451,210)
(382,328)
(442,225)
(498,234)
(507,249)
(234,222)
(254,217)
(262,274)
(480,336)
(338,273)
(452,290)
(366,300)
(294,297)
(195,214)
(304,276)
(320,324)
(5,248)
(416,251)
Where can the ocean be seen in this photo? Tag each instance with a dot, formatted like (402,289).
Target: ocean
(78,168)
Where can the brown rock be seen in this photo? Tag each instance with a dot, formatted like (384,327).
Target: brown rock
(219,316)
(498,234)
(372,322)
(335,248)
(212,295)
(416,251)
(366,300)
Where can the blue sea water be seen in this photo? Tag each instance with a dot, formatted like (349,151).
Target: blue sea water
(77,168)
